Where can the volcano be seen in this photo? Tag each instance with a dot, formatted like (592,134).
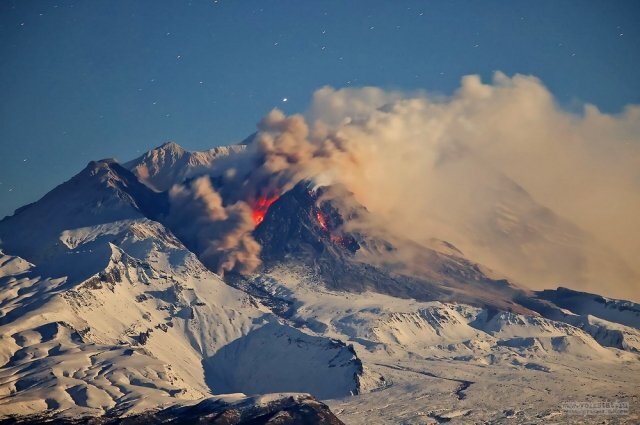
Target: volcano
(106,313)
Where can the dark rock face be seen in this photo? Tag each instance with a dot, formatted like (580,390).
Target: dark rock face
(618,311)
(289,410)
(298,224)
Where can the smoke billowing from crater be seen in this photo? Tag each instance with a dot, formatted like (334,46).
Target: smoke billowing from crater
(220,234)
(545,196)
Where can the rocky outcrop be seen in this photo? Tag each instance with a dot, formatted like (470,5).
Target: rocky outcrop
(299,409)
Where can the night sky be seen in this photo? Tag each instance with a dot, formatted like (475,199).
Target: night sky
(83,80)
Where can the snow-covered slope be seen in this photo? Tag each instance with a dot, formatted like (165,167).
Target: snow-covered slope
(101,194)
(145,331)
(430,362)
(617,311)
(118,316)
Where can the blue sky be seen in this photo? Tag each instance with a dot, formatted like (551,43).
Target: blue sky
(83,80)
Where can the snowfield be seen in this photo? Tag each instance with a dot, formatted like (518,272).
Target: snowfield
(445,361)
(147,331)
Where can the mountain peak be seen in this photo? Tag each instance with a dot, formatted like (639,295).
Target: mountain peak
(103,192)
(102,169)
(171,146)
(101,164)
(169,164)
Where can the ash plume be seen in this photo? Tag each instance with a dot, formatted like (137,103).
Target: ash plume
(541,195)
(545,196)
(283,153)
(221,235)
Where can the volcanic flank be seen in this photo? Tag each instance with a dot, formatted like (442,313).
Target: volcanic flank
(305,226)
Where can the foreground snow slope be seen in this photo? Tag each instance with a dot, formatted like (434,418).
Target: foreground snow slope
(428,362)
(143,332)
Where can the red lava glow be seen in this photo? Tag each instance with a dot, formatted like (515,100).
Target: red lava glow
(321,221)
(336,239)
(261,206)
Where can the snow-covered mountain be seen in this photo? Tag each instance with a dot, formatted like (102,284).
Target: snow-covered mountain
(169,164)
(105,312)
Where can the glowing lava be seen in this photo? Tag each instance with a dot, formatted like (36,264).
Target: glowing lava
(321,221)
(261,206)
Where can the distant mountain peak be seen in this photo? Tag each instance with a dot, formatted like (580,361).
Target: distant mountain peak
(170,146)
(170,164)
(99,168)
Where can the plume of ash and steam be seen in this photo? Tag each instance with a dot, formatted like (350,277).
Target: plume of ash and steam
(220,234)
(218,224)
(540,194)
